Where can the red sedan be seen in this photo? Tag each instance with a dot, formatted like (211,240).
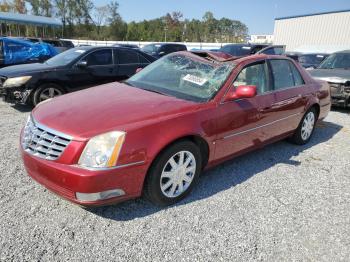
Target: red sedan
(156,132)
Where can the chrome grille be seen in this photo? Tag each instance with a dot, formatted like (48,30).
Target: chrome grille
(42,141)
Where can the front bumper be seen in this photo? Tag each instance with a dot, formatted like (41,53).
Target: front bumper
(340,94)
(68,180)
(18,95)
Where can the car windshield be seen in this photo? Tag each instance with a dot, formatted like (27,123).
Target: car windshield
(183,77)
(236,50)
(334,61)
(311,59)
(65,58)
(150,48)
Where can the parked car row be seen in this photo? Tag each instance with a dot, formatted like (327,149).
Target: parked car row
(308,60)
(72,70)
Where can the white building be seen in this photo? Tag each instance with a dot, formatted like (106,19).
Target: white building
(322,32)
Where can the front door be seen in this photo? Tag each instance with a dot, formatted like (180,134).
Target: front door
(240,121)
(99,69)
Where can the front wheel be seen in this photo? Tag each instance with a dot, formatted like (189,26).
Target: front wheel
(45,92)
(306,128)
(173,174)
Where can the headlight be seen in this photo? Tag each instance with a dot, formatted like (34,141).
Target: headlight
(16,81)
(103,150)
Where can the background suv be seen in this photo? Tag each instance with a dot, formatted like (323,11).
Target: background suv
(161,49)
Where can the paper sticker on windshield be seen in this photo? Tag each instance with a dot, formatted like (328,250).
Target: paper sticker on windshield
(80,51)
(195,79)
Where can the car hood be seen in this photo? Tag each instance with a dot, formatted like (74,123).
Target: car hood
(105,108)
(25,69)
(331,75)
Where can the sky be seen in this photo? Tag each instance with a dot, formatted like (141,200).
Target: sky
(257,15)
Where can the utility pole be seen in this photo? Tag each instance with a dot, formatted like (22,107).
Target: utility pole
(165,30)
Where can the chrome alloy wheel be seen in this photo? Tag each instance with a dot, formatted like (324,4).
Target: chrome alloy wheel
(307,126)
(49,92)
(178,174)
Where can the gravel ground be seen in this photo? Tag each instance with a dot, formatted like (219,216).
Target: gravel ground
(283,202)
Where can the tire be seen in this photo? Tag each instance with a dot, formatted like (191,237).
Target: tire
(303,133)
(49,90)
(167,183)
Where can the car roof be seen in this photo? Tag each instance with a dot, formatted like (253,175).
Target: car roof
(343,52)
(247,44)
(257,57)
(162,44)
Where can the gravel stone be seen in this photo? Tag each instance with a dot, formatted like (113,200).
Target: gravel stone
(282,202)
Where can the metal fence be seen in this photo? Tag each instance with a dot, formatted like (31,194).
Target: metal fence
(190,45)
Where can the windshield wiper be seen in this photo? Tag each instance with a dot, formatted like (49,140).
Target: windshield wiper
(155,91)
(127,83)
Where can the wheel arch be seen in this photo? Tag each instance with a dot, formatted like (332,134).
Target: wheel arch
(316,106)
(198,140)
(45,82)
(194,138)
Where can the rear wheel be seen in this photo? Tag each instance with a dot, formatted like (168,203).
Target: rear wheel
(306,128)
(173,174)
(46,91)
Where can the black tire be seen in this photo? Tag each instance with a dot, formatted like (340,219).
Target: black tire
(38,93)
(152,188)
(298,137)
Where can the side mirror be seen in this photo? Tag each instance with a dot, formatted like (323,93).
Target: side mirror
(138,69)
(82,64)
(240,92)
(161,53)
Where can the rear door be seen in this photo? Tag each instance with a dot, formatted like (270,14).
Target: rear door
(127,61)
(290,98)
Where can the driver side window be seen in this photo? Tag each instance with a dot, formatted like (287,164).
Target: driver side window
(100,57)
(256,75)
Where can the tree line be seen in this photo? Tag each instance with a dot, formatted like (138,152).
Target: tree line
(82,19)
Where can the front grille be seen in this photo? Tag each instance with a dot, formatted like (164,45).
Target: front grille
(336,88)
(42,141)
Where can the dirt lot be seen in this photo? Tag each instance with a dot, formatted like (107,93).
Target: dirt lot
(283,202)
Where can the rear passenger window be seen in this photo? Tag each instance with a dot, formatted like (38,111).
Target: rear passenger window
(282,74)
(143,60)
(256,75)
(127,57)
(298,80)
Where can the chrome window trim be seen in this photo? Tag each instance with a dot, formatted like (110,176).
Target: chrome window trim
(255,128)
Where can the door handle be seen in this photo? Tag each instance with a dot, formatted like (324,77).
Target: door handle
(265,109)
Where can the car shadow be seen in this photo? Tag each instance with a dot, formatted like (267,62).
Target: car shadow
(22,108)
(341,109)
(224,176)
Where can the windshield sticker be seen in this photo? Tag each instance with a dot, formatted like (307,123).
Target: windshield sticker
(246,47)
(195,79)
(80,51)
